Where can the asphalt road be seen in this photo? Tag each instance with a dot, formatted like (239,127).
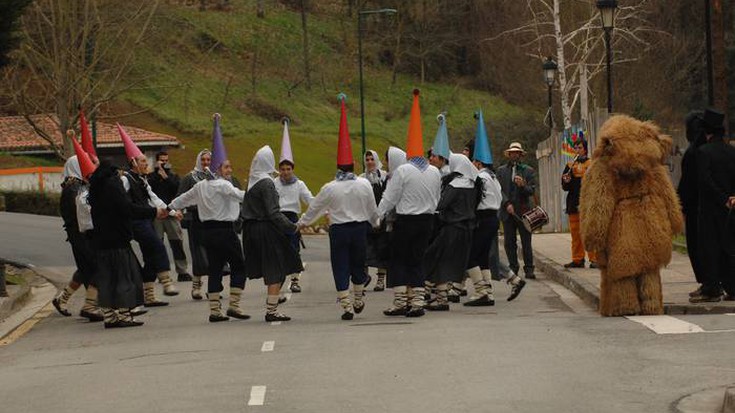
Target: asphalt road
(544,352)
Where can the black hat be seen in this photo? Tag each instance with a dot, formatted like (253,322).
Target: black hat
(713,121)
(694,125)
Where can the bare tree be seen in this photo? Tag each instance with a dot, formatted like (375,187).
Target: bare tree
(260,9)
(75,53)
(577,40)
(305,35)
(719,62)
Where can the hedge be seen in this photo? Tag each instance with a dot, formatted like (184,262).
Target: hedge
(32,202)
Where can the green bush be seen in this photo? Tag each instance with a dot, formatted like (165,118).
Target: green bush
(32,202)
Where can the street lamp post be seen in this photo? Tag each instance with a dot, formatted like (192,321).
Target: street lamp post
(359,58)
(550,67)
(607,13)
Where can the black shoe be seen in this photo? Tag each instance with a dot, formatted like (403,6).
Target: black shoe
(57,304)
(216,318)
(516,290)
(295,287)
(282,300)
(368,281)
(395,311)
(92,317)
(575,264)
(594,265)
(531,276)
(358,307)
(270,317)
(705,298)
(348,316)
(234,314)
(378,287)
(696,292)
(453,298)
(184,277)
(415,312)
(437,307)
(137,311)
(123,324)
(483,301)
(156,303)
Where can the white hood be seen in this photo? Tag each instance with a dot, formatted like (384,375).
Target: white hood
(378,164)
(396,158)
(462,164)
(71,168)
(263,165)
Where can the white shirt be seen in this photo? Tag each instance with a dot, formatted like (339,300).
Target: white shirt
(444,171)
(153,199)
(291,196)
(216,200)
(412,192)
(347,201)
(492,190)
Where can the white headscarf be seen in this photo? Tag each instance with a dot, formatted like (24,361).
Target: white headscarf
(462,164)
(396,158)
(199,173)
(262,166)
(72,169)
(377,175)
(378,164)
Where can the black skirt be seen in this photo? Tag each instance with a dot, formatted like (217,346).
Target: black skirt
(408,243)
(482,239)
(378,249)
(118,278)
(446,258)
(268,252)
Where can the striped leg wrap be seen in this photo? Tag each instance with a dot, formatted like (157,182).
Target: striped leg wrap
(235,294)
(90,300)
(66,295)
(343,297)
(487,279)
(381,278)
(149,292)
(441,294)
(215,307)
(124,314)
(400,297)
(110,315)
(271,304)
(168,284)
(196,287)
(417,301)
(478,282)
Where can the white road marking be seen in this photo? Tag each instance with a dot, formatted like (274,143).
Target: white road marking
(268,346)
(664,324)
(276,323)
(257,396)
(569,298)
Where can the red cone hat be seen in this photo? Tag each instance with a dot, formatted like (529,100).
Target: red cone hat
(131,150)
(85,163)
(87,143)
(344,146)
(415,143)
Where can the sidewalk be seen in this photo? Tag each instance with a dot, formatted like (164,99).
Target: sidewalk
(552,251)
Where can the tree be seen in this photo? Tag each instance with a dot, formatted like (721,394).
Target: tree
(575,34)
(75,53)
(11,10)
(305,35)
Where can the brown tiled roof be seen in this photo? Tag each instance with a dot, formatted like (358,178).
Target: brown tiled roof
(16,135)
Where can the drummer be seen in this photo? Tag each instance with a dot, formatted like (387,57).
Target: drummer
(518,184)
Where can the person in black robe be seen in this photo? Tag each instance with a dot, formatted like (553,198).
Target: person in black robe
(447,256)
(268,251)
(118,274)
(377,239)
(716,177)
(688,190)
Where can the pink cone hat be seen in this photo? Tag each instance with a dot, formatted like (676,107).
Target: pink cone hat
(286,154)
(131,149)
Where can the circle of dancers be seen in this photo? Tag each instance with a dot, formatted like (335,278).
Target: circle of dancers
(426,223)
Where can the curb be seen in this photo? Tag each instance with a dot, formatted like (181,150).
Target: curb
(16,299)
(589,293)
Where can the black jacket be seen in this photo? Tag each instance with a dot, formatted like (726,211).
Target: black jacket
(166,189)
(716,176)
(112,209)
(520,197)
(688,189)
(68,203)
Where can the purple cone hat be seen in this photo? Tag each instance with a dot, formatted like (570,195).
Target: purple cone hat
(219,154)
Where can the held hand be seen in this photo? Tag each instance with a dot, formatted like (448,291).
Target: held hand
(510,209)
(179,215)
(566,178)
(519,181)
(161,213)
(731,202)
(162,173)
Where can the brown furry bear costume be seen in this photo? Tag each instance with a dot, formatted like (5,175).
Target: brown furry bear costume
(629,212)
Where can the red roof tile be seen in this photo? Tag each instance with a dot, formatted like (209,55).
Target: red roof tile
(16,135)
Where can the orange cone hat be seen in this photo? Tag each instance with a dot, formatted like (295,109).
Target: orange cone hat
(85,163)
(415,144)
(344,146)
(87,143)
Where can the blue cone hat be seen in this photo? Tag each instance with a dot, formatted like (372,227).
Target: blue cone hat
(441,142)
(483,153)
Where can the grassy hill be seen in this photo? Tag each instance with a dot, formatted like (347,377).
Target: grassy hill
(196,63)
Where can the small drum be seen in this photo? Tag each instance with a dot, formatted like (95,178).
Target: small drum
(535,219)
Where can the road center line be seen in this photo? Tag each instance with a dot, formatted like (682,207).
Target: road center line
(664,324)
(257,396)
(276,323)
(268,346)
